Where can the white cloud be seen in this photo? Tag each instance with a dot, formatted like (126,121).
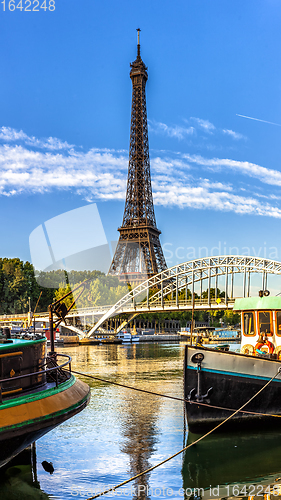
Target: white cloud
(265,175)
(176,131)
(201,197)
(102,174)
(9,134)
(216,185)
(204,124)
(168,165)
(234,135)
(199,125)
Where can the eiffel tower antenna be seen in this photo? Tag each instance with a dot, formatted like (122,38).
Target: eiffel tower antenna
(138,254)
(138,47)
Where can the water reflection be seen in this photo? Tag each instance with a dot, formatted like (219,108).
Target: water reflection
(227,460)
(139,428)
(122,433)
(18,479)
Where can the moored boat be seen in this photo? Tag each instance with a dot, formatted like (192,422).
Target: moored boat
(126,337)
(37,393)
(199,335)
(219,382)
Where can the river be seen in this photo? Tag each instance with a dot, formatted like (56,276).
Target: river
(123,432)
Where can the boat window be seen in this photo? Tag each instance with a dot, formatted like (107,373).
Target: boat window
(278,323)
(249,323)
(265,322)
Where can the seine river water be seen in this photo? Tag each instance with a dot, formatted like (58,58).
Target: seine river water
(123,432)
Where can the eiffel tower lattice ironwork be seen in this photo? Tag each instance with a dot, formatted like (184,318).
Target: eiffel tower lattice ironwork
(138,254)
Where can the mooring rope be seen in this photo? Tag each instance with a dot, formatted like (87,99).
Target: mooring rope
(183,449)
(127,386)
(172,397)
(232,409)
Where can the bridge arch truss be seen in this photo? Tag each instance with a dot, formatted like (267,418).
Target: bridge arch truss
(186,275)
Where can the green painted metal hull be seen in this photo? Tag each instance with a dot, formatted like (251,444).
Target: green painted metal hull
(27,418)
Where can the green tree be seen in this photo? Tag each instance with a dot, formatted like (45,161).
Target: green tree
(104,290)
(63,290)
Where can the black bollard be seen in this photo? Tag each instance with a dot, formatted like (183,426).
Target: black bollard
(7,332)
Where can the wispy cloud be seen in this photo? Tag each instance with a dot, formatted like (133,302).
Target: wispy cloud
(176,131)
(196,127)
(94,173)
(9,134)
(206,183)
(199,197)
(101,174)
(169,165)
(204,125)
(265,175)
(234,135)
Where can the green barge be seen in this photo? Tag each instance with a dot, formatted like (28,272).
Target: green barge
(37,393)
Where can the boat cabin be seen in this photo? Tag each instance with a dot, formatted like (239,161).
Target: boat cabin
(20,357)
(260,325)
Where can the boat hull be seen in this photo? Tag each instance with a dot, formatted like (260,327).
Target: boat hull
(227,381)
(27,418)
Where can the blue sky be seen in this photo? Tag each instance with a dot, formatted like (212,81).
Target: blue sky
(65,99)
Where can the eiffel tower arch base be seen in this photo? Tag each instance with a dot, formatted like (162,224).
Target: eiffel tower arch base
(138,255)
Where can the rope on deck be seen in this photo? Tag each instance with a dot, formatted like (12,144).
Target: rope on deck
(186,447)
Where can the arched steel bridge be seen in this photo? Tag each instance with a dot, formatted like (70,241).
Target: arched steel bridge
(149,295)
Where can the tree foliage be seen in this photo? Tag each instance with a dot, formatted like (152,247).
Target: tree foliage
(19,281)
(17,284)
(102,290)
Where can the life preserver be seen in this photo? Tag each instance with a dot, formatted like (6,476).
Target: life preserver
(269,345)
(278,351)
(247,349)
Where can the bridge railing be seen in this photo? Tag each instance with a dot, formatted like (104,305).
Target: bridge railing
(180,303)
(73,312)
(89,310)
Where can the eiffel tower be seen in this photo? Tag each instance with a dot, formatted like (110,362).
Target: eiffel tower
(138,254)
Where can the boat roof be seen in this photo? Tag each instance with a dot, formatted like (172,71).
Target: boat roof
(257,303)
(10,343)
(197,328)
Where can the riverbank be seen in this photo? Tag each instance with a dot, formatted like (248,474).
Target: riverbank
(74,339)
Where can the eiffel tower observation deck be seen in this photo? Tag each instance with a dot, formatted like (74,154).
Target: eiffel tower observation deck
(138,255)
